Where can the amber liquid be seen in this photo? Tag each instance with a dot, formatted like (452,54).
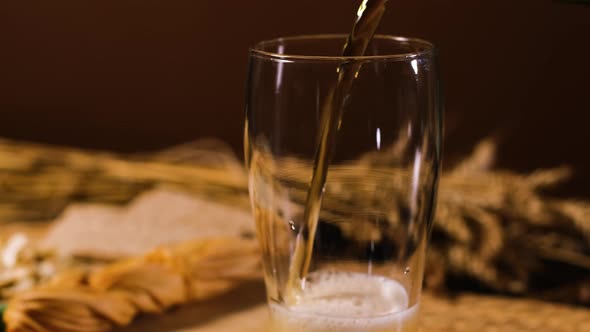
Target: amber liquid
(368,18)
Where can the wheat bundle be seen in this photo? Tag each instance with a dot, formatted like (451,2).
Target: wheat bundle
(493,227)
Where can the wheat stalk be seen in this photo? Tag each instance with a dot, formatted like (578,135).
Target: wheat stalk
(492,226)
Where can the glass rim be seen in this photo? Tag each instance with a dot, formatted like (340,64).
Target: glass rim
(428,49)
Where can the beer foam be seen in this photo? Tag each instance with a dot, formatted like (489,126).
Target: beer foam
(346,302)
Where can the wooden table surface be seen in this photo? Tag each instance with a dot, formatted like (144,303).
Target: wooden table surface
(244,310)
(241,310)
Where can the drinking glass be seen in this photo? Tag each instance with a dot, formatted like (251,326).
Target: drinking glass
(367,262)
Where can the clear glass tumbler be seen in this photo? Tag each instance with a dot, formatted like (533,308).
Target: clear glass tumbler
(367,262)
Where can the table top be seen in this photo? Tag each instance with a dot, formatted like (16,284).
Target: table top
(240,310)
(244,310)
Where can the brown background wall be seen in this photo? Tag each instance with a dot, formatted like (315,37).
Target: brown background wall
(139,74)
